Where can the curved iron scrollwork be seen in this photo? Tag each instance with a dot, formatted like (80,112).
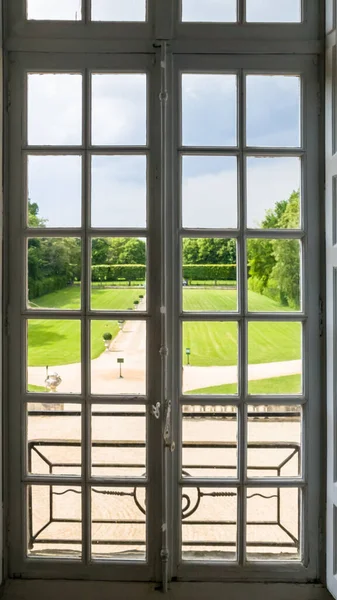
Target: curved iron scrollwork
(191,497)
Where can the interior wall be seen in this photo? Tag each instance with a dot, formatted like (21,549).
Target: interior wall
(86,590)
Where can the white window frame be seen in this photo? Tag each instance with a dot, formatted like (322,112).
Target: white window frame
(59,40)
(311,366)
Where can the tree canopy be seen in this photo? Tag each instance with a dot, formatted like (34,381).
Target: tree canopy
(55,262)
(209,251)
(274,264)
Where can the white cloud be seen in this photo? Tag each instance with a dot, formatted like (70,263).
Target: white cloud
(270,180)
(119,191)
(54,183)
(119,109)
(118,10)
(274,11)
(54,109)
(209,10)
(54,9)
(209,199)
(273,110)
(209,105)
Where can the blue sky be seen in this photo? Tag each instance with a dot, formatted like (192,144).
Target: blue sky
(209,118)
(209,182)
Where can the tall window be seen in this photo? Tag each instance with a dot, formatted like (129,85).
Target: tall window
(164,380)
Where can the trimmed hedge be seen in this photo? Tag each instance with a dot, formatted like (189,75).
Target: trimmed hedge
(209,272)
(115,272)
(101,273)
(138,272)
(37,288)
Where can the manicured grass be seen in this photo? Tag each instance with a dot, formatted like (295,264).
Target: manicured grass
(216,343)
(214,300)
(211,300)
(57,342)
(290,384)
(36,388)
(105,299)
(69,298)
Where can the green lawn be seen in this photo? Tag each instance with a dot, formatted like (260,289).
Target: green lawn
(112,299)
(69,298)
(36,388)
(226,300)
(57,342)
(105,299)
(216,343)
(290,384)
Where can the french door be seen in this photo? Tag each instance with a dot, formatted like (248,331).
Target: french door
(163,316)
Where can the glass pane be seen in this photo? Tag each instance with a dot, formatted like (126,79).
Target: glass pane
(209,275)
(119,109)
(212,11)
(118,357)
(209,441)
(118,274)
(209,105)
(54,439)
(54,191)
(273,523)
(61,10)
(54,273)
(209,524)
(274,441)
(273,110)
(209,191)
(118,191)
(210,358)
(118,435)
(54,521)
(274,357)
(274,274)
(287,11)
(54,354)
(273,192)
(54,109)
(118,523)
(117,10)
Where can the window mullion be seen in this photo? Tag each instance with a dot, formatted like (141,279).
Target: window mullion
(86,354)
(242,370)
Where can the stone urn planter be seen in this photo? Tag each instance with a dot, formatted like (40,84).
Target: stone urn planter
(107,337)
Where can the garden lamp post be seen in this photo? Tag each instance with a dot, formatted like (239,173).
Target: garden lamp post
(188,352)
(120,361)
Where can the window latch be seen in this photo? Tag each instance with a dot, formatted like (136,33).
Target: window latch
(156,410)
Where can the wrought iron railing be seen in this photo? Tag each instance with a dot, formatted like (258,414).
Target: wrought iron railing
(192,498)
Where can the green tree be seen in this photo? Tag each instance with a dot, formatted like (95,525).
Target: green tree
(53,262)
(127,251)
(132,252)
(274,264)
(100,251)
(261,257)
(286,271)
(190,251)
(209,251)
(33,219)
